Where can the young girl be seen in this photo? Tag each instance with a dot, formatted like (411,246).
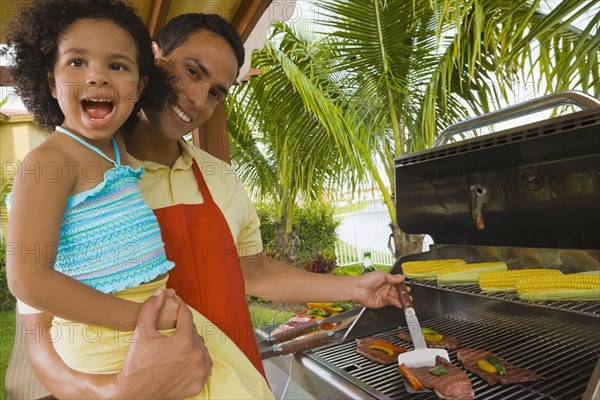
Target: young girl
(79,229)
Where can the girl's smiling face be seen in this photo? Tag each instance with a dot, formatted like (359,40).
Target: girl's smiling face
(95,78)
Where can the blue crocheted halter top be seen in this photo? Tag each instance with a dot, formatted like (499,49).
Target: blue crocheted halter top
(109,237)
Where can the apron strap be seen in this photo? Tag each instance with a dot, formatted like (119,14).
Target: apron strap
(202,183)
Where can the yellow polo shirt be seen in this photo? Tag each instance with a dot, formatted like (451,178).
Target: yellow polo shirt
(163,186)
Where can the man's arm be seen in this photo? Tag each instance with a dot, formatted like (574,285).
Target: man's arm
(156,366)
(275,280)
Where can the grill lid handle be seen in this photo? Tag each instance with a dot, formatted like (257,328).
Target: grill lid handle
(573,97)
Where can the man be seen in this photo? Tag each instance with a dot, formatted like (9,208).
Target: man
(208,223)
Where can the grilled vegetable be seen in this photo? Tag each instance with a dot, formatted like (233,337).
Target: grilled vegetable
(562,287)
(412,380)
(425,329)
(505,281)
(317,312)
(386,349)
(439,370)
(468,273)
(390,346)
(497,363)
(433,337)
(345,306)
(319,305)
(486,366)
(427,269)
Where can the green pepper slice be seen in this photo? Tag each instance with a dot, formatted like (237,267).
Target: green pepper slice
(495,361)
(428,330)
(317,312)
(439,371)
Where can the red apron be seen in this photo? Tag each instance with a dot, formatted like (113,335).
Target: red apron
(207,274)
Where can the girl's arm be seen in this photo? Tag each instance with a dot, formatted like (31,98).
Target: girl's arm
(40,191)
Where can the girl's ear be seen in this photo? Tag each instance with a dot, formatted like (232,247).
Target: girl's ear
(52,84)
(156,50)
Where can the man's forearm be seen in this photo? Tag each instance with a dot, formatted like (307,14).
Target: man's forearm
(156,366)
(55,375)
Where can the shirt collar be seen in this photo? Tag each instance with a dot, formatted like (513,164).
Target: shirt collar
(184,161)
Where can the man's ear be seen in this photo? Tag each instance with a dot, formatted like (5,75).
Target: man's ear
(141,86)
(156,50)
(52,84)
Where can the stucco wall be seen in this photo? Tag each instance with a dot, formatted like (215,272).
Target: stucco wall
(18,138)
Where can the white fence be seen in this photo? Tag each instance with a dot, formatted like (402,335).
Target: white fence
(367,230)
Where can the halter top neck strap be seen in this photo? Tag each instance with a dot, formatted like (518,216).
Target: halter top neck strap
(94,148)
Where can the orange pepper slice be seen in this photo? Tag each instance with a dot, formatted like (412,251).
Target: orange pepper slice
(411,378)
(393,347)
(386,349)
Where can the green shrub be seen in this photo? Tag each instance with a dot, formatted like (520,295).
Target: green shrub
(316,230)
(321,263)
(7,301)
(268,221)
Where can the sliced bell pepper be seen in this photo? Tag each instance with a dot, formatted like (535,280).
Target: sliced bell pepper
(385,349)
(393,347)
(317,312)
(319,305)
(497,363)
(486,366)
(433,337)
(412,380)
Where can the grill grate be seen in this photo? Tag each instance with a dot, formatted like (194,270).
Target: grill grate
(565,357)
(589,308)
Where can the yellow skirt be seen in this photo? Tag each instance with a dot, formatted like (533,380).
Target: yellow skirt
(98,350)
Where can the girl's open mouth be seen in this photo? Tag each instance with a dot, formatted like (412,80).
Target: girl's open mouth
(97,109)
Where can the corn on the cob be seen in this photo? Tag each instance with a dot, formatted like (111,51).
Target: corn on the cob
(569,287)
(468,273)
(427,269)
(505,281)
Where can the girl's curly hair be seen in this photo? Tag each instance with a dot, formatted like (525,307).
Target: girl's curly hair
(33,37)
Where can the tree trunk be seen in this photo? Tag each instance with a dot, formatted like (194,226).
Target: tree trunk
(286,244)
(404,243)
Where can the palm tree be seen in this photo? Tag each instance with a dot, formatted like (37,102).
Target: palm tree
(286,157)
(385,78)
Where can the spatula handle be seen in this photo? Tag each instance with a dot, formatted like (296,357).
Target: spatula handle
(292,333)
(314,340)
(405,298)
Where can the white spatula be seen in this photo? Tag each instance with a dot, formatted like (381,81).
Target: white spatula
(421,356)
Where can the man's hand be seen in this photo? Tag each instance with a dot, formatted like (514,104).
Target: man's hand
(377,289)
(159,366)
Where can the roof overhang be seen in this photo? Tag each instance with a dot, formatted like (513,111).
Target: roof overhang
(251,18)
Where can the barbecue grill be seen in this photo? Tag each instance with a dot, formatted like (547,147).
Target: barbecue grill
(528,196)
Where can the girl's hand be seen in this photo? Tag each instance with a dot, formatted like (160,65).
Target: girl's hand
(167,316)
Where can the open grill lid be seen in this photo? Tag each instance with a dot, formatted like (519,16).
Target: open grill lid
(537,185)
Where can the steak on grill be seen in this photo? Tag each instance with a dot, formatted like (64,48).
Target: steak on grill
(448,342)
(376,355)
(514,374)
(454,386)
